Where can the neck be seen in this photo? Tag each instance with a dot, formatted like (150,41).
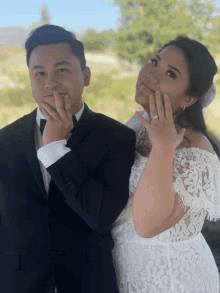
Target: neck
(76,107)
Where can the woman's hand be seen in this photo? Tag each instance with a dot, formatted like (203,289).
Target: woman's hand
(162,130)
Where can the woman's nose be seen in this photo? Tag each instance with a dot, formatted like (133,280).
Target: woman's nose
(152,77)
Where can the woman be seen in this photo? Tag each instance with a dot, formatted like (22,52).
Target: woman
(175,179)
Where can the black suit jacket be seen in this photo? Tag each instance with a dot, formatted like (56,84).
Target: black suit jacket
(211,233)
(211,230)
(64,238)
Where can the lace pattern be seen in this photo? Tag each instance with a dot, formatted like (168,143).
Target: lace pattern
(178,259)
(196,178)
(185,268)
(195,173)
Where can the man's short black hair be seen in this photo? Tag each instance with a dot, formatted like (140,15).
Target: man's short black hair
(52,34)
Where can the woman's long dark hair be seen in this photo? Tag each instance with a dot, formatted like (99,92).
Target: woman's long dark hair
(202,68)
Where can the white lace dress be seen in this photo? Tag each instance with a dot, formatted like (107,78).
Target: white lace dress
(179,259)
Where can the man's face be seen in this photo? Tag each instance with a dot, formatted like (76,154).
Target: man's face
(54,67)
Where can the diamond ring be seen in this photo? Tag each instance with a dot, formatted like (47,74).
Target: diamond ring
(155,117)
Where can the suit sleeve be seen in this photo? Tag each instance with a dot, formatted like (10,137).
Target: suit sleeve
(98,197)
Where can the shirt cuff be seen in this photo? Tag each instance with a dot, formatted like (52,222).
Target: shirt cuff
(52,152)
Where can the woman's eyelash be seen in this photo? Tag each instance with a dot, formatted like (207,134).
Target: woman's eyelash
(173,75)
(152,60)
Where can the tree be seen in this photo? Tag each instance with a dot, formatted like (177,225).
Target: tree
(45,15)
(94,41)
(146,25)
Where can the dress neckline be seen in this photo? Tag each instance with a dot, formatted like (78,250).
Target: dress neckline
(194,148)
(199,150)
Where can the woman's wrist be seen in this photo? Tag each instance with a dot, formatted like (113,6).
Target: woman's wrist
(162,146)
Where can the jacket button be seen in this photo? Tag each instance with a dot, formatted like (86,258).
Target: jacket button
(67,177)
(70,182)
(72,186)
(65,173)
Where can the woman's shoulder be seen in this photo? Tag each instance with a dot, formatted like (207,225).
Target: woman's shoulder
(134,123)
(133,118)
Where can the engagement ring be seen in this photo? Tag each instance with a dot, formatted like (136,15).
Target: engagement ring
(155,117)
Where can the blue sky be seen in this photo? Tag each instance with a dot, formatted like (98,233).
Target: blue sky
(77,15)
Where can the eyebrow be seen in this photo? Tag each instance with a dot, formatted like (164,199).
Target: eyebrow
(170,65)
(56,65)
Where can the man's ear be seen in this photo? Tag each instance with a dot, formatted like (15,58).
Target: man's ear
(87,76)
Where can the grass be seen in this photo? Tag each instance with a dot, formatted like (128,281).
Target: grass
(111,91)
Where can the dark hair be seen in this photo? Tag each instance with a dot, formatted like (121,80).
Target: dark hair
(52,34)
(202,68)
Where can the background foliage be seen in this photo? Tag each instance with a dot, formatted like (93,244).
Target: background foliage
(146,25)
(95,41)
(115,58)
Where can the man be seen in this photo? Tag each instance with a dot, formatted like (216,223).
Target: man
(64,178)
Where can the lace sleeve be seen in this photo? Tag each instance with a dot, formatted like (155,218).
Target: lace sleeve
(196,179)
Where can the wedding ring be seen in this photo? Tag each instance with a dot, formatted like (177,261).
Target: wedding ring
(155,117)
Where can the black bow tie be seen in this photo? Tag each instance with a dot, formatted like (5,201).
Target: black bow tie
(44,121)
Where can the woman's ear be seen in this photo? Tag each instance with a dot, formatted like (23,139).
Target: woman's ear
(87,76)
(188,101)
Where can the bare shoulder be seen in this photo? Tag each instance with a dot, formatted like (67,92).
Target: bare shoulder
(199,140)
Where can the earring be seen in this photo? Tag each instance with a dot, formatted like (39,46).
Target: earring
(184,108)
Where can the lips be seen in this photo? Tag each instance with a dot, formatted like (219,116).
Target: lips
(148,88)
(51,95)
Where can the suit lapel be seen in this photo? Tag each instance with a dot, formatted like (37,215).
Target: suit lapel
(28,126)
(83,127)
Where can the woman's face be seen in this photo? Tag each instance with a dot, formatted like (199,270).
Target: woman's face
(166,72)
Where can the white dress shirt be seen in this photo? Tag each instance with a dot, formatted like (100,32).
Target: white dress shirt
(50,153)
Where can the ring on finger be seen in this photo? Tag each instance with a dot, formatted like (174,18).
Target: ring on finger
(155,117)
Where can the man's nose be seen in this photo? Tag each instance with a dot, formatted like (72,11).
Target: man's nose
(51,82)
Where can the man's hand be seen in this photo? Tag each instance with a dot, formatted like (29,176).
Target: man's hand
(59,121)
